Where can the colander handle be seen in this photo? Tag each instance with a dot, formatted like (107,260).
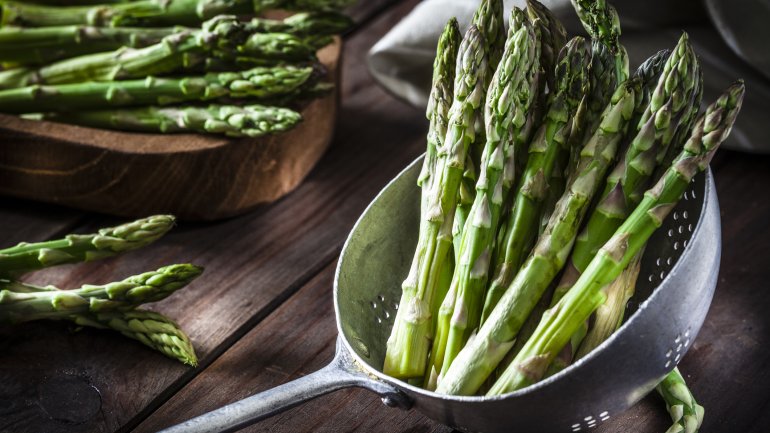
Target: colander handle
(340,373)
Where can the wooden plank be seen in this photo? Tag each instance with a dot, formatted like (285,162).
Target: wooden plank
(727,366)
(23,220)
(294,341)
(253,263)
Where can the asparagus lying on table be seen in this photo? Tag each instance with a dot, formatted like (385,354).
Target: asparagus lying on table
(512,91)
(223,37)
(496,336)
(685,412)
(548,146)
(21,302)
(150,328)
(561,321)
(106,242)
(258,83)
(410,339)
(26,46)
(229,120)
(108,306)
(148,12)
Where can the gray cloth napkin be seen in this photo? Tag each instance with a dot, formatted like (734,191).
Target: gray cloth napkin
(401,61)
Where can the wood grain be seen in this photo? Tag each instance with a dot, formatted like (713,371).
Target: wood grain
(194,176)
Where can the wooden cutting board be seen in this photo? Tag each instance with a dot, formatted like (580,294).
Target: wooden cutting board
(195,177)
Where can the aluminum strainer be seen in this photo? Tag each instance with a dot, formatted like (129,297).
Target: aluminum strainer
(676,283)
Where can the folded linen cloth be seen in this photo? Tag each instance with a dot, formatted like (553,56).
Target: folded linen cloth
(401,61)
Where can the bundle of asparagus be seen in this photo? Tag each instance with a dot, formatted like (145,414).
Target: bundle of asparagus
(610,154)
(83,58)
(108,306)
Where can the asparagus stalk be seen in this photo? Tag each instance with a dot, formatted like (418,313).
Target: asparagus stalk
(149,328)
(496,336)
(510,95)
(73,248)
(553,37)
(624,186)
(560,322)
(152,329)
(26,46)
(222,37)
(547,148)
(609,316)
(148,12)
(19,45)
(465,197)
(648,73)
(604,79)
(21,302)
(439,101)
(256,83)
(438,111)
(229,120)
(601,21)
(686,413)
(488,18)
(409,342)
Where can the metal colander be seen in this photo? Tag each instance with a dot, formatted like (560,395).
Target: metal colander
(676,284)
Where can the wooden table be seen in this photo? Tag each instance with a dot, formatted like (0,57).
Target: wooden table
(262,312)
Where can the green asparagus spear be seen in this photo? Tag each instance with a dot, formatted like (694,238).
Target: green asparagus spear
(410,339)
(496,336)
(222,37)
(685,412)
(508,99)
(601,21)
(488,18)
(548,146)
(148,12)
(21,302)
(560,322)
(86,247)
(34,46)
(631,175)
(150,328)
(438,111)
(258,83)
(229,120)
(439,101)
(553,37)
